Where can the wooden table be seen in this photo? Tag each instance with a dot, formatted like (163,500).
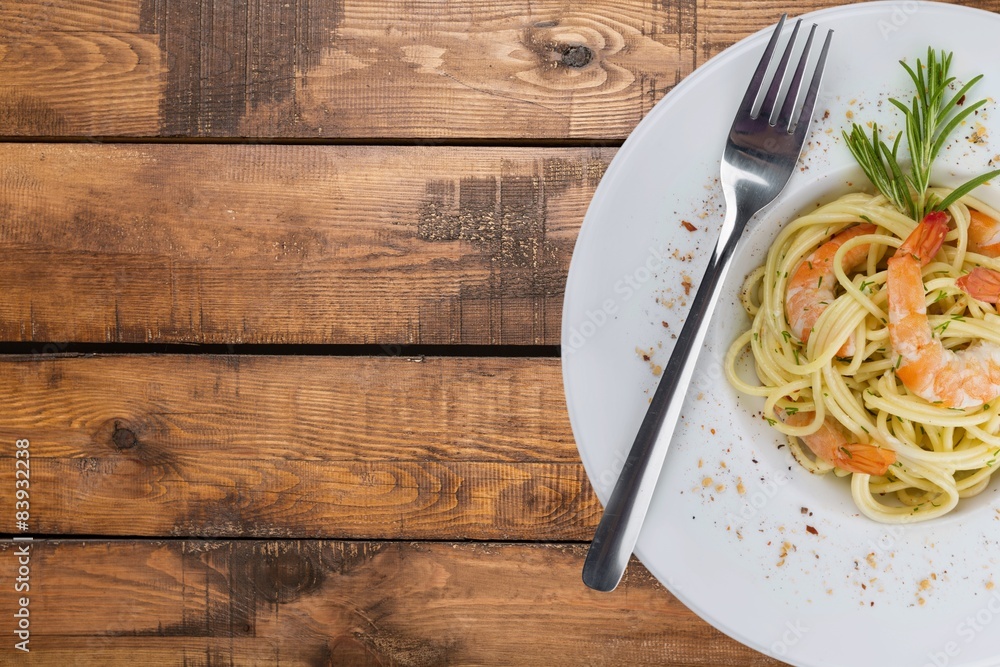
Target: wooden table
(280,302)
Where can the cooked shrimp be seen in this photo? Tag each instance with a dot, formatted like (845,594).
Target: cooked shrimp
(810,289)
(962,379)
(982,284)
(984,234)
(830,443)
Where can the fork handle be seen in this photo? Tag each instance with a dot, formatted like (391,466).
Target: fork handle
(619,528)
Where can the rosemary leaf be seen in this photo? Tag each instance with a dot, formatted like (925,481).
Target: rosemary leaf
(965,189)
(930,118)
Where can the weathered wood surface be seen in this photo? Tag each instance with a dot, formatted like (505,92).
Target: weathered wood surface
(288,244)
(356,447)
(524,69)
(346,68)
(318,603)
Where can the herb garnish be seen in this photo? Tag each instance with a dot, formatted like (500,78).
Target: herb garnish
(930,119)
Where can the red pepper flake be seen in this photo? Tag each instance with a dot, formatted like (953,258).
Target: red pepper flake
(688,226)
(811,530)
(961,100)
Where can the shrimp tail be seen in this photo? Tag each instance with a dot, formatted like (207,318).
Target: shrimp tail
(927,238)
(830,443)
(861,458)
(982,284)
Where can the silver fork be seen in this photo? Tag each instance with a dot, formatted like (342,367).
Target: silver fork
(760,156)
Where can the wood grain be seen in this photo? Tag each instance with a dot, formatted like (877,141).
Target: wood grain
(289,244)
(350,68)
(353,70)
(357,447)
(335,603)
(73,81)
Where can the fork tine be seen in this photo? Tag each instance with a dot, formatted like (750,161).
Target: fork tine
(810,101)
(785,116)
(768,105)
(746,107)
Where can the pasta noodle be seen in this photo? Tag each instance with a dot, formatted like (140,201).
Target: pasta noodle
(941,454)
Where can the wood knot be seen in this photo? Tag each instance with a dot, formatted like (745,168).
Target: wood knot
(558,47)
(123,438)
(530,498)
(575,55)
(285,576)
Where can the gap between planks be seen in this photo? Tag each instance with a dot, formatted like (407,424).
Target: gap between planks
(31,351)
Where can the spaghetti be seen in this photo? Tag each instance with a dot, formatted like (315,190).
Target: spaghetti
(837,375)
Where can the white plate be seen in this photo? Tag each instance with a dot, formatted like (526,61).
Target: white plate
(859,592)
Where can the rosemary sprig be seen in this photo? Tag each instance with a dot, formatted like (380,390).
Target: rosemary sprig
(930,119)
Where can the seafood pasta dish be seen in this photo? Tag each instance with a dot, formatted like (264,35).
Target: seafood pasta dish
(875,335)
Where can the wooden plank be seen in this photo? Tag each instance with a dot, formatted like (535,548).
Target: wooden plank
(356,69)
(355,447)
(316,408)
(289,244)
(525,69)
(336,603)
